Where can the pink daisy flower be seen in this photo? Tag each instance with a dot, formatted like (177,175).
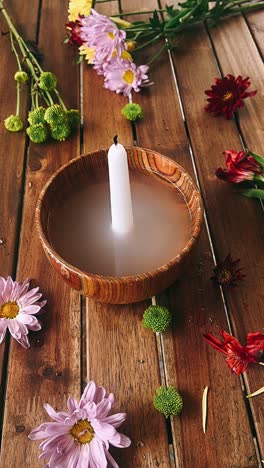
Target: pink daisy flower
(18,305)
(123,76)
(100,32)
(80,438)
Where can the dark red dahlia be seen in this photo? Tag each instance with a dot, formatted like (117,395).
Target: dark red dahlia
(73,33)
(227,273)
(237,356)
(227,95)
(239,167)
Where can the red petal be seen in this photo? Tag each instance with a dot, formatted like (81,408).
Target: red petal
(217,344)
(236,365)
(255,344)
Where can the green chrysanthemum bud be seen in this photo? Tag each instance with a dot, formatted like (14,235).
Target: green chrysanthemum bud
(47,81)
(157,318)
(74,118)
(37,116)
(21,76)
(168,401)
(13,123)
(132,111)
(55,115)
(38,133)
(61,132)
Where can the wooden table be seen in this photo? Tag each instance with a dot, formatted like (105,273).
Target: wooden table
(83,340)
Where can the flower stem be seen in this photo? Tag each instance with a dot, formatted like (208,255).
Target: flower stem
(247,7)
(49,98)
(18,98)
(133,13)
(60,99)
(234,3)
(151,41)
(15,51)
(156,56)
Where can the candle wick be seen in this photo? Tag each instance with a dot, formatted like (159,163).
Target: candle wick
(115,139)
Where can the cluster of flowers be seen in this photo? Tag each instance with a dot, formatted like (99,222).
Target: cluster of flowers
(105,47)
(54,120)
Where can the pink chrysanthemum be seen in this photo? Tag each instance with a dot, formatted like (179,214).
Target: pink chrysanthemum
(123,76)
(18,305)
(80,438)
(100,32)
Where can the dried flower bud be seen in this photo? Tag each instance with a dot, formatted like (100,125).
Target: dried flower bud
(157,318)
(74,118)
(168,401)
(21,76)
(47,81)
(37,116)
(130,45)
(55,115)
(13,123)
(38,133)
(62,132)
(132,112)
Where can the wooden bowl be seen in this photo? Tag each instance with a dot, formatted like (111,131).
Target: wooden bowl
(126,289)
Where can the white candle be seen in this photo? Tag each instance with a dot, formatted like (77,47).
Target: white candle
(120,193)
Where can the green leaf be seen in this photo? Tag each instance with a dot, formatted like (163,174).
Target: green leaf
(254,193)
(258,158)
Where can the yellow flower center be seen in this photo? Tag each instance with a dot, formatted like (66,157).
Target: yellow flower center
(111,35)
(128,76)
(125,55)
(9,310)
(82,431)
(227,96)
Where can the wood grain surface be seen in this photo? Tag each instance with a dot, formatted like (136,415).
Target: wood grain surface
(50,370)
(116,340)
(12,149)
(229,214)
(110,343)
(195,301)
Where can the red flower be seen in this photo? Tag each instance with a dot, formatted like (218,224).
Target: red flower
(73,33)
(239,167)
(227,273)
(227,94)
(237,356)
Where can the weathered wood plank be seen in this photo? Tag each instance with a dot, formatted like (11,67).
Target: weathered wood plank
(195,301)
(120,353)
(50,369)
(12,145)
(255,20)
(238,54)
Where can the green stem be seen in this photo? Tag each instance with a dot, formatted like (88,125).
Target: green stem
(133,13)
(60,99)
(154,39)
(44,97)
(37,98)
(32,56)
(254,6)
(51,102)
(234,3)
(18,98)
(259,178)
(15,51)
(156,56)
(32,95)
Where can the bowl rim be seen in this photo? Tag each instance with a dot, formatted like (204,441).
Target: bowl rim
(130,278)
